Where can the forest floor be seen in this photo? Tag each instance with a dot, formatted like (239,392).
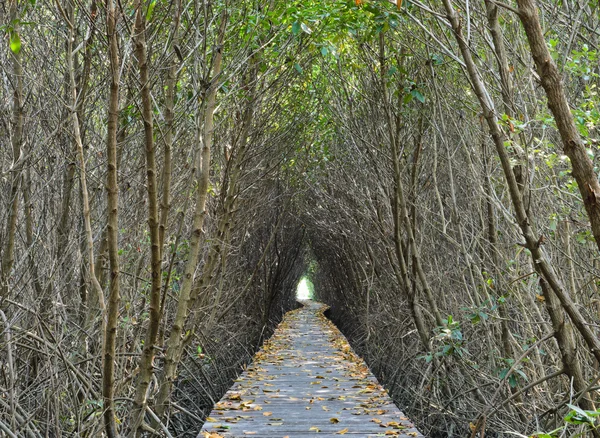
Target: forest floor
(307,381)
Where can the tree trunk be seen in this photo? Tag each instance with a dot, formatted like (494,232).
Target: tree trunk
(146,366)
(551,80)
(8,256)
(110,334)
(175,342)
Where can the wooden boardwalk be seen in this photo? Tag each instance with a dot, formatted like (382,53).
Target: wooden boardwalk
(306,381)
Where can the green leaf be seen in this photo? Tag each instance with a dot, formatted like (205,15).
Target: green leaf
(522,374)
(428,357)
(298,68)
(578,416)
(15,42)
(150,10)
(437,59)
(296,28)
(417,95)
(324,51)
(447,350)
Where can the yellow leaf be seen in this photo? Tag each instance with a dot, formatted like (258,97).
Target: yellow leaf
(267,414)
(399,3)
(540,298)
(315,429)
(334,420)
(341,432)
(395,425)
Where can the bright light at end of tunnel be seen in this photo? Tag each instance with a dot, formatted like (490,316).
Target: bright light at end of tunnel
(302,291)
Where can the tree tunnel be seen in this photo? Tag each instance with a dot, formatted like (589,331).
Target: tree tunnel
(175,175)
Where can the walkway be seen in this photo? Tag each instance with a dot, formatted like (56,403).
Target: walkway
(306,381)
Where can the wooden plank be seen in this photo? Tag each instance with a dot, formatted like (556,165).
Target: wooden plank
(306,381)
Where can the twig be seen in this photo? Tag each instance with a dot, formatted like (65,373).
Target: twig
(531,385)
(11,370)
(160,423)
(481,418)
(7,430)
(505,6)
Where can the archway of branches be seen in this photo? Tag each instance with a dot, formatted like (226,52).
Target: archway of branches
(171,171)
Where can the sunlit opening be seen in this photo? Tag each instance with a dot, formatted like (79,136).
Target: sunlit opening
(303,291)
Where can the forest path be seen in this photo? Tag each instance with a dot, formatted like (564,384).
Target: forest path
(307,381)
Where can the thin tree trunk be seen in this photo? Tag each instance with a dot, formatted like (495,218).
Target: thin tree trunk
(83,175)
(563,331)
(110,334)
(165,202)
(551,80)
(175,342)
(8,256)
(400,202)
(147,358)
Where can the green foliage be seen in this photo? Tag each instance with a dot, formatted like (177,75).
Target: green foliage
(451,341)
(15,42)
(584,421)
(516,375)
(150,10)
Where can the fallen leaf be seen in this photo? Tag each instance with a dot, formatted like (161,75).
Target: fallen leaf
(341,432)
(267,414)
(315,429)
(334,420)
